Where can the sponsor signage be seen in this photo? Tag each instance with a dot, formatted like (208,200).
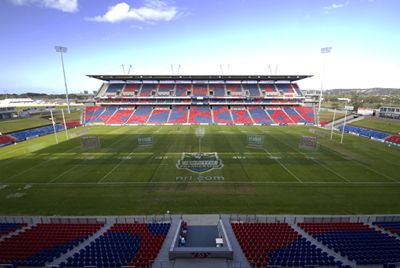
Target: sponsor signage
(79,133)
(377,139)
(349,108)
(145,141)
(255,141)
(308,141)
(199,162)
(392,143)
(200,255)
(323,134)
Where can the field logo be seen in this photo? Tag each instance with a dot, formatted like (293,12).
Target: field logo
(200,162)
(145,141)
(309,141)
(89,142)
(200,132)
(255,141)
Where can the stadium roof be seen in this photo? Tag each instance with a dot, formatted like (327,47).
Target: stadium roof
(274,78)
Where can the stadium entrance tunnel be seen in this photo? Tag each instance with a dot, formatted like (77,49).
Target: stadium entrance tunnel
(200,243)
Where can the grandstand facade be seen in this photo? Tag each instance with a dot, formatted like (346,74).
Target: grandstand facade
(177,99)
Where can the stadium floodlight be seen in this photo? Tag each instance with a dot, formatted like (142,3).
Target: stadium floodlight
(324,50)
(63,50)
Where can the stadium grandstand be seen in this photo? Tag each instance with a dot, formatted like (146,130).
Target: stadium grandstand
(197,99)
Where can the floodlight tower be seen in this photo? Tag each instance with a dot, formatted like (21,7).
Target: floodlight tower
(324,50)
(63,50)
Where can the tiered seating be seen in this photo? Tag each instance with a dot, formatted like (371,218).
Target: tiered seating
(222,115)
(390,226)
(92,112)
(147,89)
(219,90)
(37,131)
(286,88)
(279,117)
(131,88)
(124,244)
(294,115)
(113,88)
(297,90)
(181,89)
(306,113)
(140,116)
(43,242)
(164,89)
(394,138)
(72,123)
(7,228)
(200,90)
(356,241)
(236,89)
(269,89)
(240,115)
(253,90)
(200,114)
(120,116)
(5,139)
(105,115)
(159,115)
(178,115)
(364,132)
(278,244)
(259,116)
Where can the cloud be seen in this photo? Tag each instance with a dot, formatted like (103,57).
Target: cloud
(151,11)
(63,5)
(325,12)
(138,27)
(332,6)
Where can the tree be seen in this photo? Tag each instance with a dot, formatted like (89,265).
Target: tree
(335,105)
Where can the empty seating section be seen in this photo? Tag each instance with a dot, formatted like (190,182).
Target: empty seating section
(222,115)
(92,112)
(306,112)
(113,88)
(294,115)
(391,226)
(200,114)
(240,115)
(147,89)
(178,115)
(164,89)
(7,228)
(181,90)
(159,116)
(124,244)
(43,242)
(140,115)
(72,123)
(235,89)
(297,90)
(356,241)
(5,138)
(279,117)
(286,88)
(105,115)
(200,90)
(394,138)
(252,90)
(120,116)
(36,132)
(364,132)
(131,88)
(219,90)
(259,115)
(268,88)
(278,244)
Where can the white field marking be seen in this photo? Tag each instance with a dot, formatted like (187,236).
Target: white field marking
(26,155)
(270,155)
(14,195)
(228,182)
(128,157)
(311,158)
(356,162)
(3,186)
(375,155)
(80,164)
(37,165)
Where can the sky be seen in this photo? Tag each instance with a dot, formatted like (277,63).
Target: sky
(201,37)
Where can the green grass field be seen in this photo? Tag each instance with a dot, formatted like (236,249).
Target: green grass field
(392,127)
(38,177)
